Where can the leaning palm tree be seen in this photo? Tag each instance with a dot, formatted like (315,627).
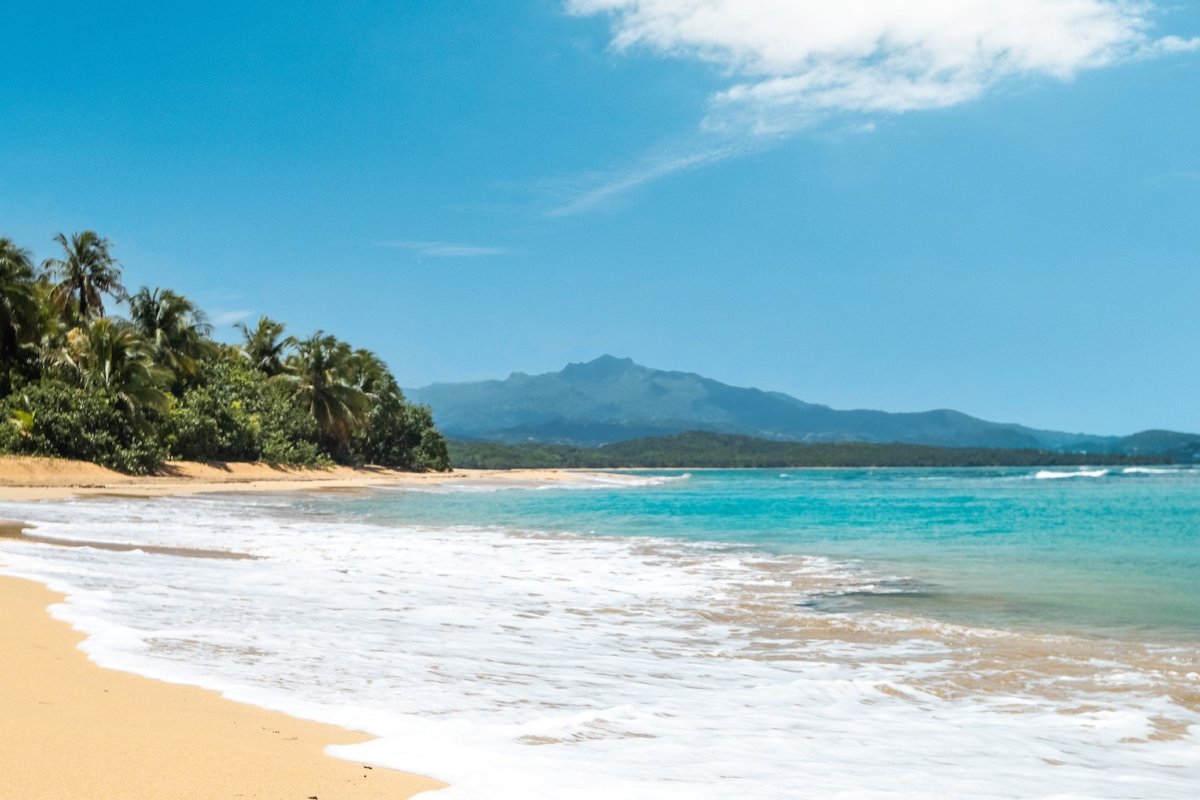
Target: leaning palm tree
(109,354)
(85,274)
(18,300)
(265,345)
(321,376)
(175,328)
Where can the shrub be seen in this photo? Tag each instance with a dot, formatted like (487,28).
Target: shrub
(54,420)
(235,413)
(401,436)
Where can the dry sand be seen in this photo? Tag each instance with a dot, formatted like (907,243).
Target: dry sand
(72,731)
(32,478)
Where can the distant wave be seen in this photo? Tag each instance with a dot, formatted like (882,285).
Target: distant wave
(668,479)
(1149,471)
(622,479)
(1049,474)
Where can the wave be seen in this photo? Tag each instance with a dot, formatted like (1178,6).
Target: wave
(1150,471)
(610,480)
(465,650)
(624,479)
(1049,474)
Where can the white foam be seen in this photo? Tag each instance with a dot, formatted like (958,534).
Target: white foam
(1049,474)
(541,666)
(630,479)
(576,480)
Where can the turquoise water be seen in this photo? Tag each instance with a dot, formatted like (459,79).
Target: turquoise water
(1111,553)
(636,641)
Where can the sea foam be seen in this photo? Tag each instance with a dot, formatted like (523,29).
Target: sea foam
(526,664)
(1049,474)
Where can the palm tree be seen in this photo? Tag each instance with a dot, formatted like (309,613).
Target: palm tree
(265,345)
(175,328)
(321,374)
(109,354)
(18,301)
(368,373)
(50,332)
(86,274)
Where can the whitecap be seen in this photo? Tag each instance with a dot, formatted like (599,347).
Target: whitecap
(1049,474)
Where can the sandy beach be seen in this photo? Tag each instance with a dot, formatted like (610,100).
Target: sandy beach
(73,730)
(33,478)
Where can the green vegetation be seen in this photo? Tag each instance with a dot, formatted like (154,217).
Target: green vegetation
(129,393)
(701,449)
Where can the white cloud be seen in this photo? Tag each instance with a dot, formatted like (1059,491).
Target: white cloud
(1174,44)
(791,62)
(221,319)
(449,249)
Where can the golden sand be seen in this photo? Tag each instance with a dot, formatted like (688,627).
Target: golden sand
(70,730)
(34,478)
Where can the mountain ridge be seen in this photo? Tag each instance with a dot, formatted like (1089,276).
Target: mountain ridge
(611,399)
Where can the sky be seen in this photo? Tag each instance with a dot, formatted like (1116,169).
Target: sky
(970,204)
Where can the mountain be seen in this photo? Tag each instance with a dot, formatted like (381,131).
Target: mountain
(613,399)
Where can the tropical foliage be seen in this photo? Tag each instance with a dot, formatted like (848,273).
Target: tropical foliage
(129,393)
(85,273)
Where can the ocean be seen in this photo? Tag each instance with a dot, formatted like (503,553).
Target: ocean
(767,634)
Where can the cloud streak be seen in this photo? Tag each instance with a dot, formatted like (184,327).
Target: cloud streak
(791,63)
(449,249)
(601,190)
(222,319)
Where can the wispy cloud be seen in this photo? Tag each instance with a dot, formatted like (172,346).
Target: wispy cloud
(602,189)
(793,62)
(1173,44)
(449,249)
(223,319)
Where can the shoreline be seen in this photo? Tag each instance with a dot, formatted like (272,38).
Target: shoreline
(531,620)
(24,478)
(74,729)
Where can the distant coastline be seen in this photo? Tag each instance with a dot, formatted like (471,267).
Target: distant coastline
(706,450)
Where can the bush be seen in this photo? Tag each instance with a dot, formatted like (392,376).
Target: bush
(54,420)
(235,413)
(401,436)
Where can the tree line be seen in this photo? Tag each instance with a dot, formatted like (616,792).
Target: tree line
(703,449)
(132,392)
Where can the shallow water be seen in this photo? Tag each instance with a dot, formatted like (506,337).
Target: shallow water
(907,633)
(1107,551)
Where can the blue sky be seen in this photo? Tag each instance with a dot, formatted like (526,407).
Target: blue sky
(989,207)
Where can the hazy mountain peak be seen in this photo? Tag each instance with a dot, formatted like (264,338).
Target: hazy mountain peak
(611,399)
(598,368)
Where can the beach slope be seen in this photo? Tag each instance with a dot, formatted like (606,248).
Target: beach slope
(73,730)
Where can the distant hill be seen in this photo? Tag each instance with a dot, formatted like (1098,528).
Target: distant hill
(613,399)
